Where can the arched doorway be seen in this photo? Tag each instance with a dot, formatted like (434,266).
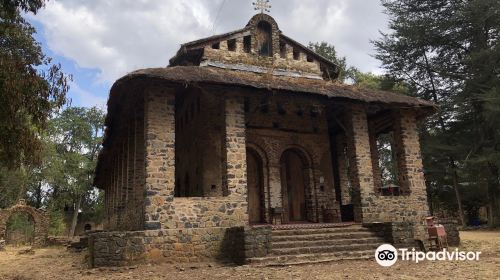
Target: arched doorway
(294,180)
(255,185)
(20,229)
(39,217)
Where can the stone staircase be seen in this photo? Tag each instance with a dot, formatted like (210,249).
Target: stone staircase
(313,245)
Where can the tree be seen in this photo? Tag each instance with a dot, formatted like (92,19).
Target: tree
(328,51)
(449,52)
(76,134)
(31,86)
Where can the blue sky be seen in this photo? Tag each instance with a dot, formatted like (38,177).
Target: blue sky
(85,90)
(100,41)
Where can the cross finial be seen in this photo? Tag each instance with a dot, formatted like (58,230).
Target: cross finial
(262,5)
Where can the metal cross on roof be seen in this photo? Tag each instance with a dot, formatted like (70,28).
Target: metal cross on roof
(262,5)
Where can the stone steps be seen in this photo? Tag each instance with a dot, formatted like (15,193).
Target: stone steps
(323,249)
(288,232)
(323,236)
(273,260)
(324,243)
(311,245)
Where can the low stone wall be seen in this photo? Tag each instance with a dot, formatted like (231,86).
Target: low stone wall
(399,234)
(170,245)
(116,248)
(257,241)
(451,228)
(232,245)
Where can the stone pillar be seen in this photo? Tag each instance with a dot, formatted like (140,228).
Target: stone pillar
(275,183)
(113,192)
(139,169)
(160,154)
(345,188)
(409,160)
(130,204)
(358,149)
(377,173)
(234,149)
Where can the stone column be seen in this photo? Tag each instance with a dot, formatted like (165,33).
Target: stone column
(358,149)
(275,183)
(160,154)
(345,189)
(139,169)
(130,200)
(409,160)
(234,149)
(377,173)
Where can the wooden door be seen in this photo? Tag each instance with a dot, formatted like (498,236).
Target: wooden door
(255,188)
(295,187)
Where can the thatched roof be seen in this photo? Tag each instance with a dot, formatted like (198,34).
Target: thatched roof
(186,75)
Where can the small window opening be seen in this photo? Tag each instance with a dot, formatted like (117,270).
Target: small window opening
(296,54)
(309,58)
(388,165)
(264,38)
(87,227)
(216,46)
(282,50)
(280,108)
(247,44)
(231,45)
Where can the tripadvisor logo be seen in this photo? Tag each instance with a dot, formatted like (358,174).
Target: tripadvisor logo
(387,255)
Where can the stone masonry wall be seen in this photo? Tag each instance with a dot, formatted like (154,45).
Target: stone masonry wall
(160,154)
(163,210)
(374,207)
(282,56)
(234,177)
(277,124)
(171,246)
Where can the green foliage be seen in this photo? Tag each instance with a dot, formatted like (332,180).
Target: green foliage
(20,221)
(449,52)
(31,86)
(377,82)
(57,224)
(76,136)
(20,228)
(11,185)
(387,160)
(328,51)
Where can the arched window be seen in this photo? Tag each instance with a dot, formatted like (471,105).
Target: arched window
(263,38)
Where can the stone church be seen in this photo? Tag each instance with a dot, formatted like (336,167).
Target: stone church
(246,148)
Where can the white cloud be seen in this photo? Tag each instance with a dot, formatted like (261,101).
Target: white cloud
(119,36)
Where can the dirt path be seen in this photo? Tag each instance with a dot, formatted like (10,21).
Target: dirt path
(57,263)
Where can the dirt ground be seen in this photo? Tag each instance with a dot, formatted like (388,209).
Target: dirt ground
(57,263)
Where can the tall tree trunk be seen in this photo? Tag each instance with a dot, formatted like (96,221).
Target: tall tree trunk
(442,124)
(74,221)
(458,197)
(494,196)
(39,195)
